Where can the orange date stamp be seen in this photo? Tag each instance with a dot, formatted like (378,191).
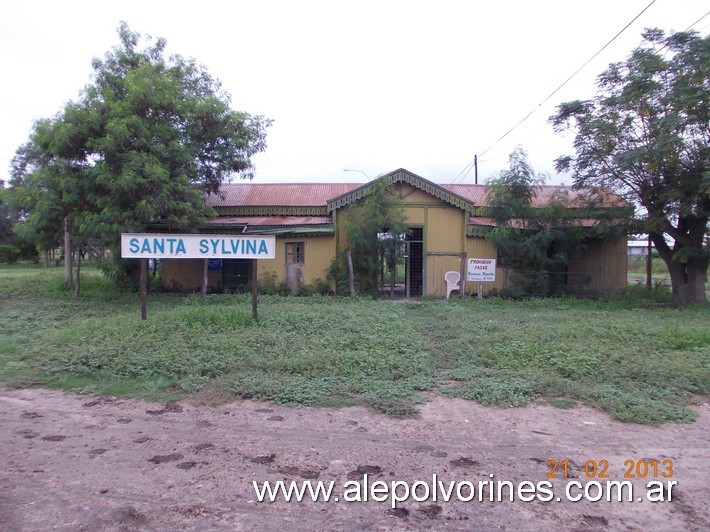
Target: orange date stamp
(641,468)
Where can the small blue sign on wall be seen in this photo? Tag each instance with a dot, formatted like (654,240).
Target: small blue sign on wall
(214,265)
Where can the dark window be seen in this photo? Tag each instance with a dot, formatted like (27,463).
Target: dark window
(294,252)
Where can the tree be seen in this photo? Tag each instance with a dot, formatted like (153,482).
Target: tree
(374,228)
(646,135)
(49,187)
(537,240)
(148,138)
(7,216)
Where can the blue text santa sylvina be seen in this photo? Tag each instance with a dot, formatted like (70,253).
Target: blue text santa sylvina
(172,245)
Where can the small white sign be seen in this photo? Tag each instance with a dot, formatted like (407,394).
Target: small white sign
(192,246)
(481,270)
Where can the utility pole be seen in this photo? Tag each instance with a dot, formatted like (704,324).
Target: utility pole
(475,169)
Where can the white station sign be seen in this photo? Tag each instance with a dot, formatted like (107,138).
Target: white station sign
(481,270)
(195,246)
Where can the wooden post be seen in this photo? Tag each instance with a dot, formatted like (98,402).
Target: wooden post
(204,278)
(350,273)
(68,277)
(77,286)
(462,273)
(144,288)
(649,263)
(253,290)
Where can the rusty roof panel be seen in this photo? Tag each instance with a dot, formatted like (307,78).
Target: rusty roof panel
(278,194)
(476,194)
(568,196)
(319,194)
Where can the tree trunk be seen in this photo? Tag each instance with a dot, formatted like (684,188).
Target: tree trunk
(67,254)
(692,289)
(45,253)
(351,276)
(687,278)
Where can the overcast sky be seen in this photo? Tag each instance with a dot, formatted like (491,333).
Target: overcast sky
(371,86)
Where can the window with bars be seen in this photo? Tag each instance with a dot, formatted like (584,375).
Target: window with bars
(295,252)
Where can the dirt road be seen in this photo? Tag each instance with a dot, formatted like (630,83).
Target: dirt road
(72,462)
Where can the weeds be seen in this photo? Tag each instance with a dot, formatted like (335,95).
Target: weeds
(639,362)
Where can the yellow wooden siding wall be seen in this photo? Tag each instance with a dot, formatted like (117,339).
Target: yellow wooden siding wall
(415,215)
(318,253)
(437,266)
(444,242)
(444,230)
(602,268)
(186,274)
(412,196)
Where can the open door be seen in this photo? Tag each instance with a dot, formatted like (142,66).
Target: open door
(415,262)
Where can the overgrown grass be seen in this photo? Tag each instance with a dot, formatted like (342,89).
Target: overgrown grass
(638,362)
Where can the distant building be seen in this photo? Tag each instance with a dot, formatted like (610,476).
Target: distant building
(638,247)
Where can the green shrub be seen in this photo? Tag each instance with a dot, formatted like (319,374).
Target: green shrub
(514,292)
(124,273)
(317,287)
(268,285)
(9,254)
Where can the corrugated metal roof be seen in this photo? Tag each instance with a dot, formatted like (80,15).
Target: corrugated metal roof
(476,194)
(543,194)
(271,220)
(319,194)
(278,194)
(481,220)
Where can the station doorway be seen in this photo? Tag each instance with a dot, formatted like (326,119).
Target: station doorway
(236,275)
(401,272)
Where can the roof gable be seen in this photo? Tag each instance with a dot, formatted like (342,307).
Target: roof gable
(403,176)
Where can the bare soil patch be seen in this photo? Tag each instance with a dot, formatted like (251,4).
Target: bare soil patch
(72,462)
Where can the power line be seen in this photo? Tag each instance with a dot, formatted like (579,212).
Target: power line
(694,23)
(467,169)
(560,86)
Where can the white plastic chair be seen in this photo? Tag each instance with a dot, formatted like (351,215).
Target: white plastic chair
(452,282)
